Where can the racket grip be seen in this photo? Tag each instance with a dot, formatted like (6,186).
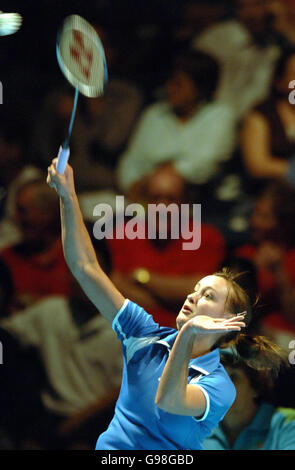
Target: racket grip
(62,159)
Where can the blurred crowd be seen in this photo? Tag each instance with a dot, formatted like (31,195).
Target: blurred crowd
(198,109)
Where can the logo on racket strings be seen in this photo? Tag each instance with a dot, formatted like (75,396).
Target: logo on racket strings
(82,55)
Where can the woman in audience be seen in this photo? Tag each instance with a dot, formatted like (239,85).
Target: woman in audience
(253,422)
(273,252)
(268,132)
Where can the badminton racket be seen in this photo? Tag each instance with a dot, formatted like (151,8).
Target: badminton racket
(81,57)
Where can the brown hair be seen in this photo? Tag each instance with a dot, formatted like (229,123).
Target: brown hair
(257,354)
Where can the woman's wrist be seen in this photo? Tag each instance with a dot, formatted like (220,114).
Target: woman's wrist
(188,330)
(68,197)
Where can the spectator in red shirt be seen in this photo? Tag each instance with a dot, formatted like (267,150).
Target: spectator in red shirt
(37,263)
(158,273)
(272,250)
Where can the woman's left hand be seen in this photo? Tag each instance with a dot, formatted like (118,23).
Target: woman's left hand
(202,324)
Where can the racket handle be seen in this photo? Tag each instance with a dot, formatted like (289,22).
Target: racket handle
(62,159)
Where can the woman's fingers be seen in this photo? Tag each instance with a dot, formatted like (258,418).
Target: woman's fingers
(225,329)
(51,174)
(238,321)
(235,323)
(238,317)
(236,326)
(232,319)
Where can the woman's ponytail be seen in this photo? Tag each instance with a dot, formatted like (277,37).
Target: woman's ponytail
(260,359)
(257,355)
(261,354)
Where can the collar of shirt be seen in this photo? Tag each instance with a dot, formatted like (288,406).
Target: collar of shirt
(205,364)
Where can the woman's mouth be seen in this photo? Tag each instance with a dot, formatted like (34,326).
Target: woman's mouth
(186,308)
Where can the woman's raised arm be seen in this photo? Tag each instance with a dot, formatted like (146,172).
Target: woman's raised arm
(78,249)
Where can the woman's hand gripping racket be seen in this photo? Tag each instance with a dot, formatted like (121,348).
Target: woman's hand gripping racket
(81,57)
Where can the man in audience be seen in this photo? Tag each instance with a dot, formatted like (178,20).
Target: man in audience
(188,131)
(37,263)
(157,272)
(77,376)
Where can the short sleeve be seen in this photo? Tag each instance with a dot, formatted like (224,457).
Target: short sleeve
(133,321)
(220,394)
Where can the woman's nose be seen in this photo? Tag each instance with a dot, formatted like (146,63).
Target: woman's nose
(193,297)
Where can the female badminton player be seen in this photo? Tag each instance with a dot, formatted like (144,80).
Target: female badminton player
(174,389)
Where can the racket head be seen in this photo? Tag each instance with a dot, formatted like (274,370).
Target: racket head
(81,56)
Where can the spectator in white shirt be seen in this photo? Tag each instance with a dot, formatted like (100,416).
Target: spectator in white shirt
(188,132)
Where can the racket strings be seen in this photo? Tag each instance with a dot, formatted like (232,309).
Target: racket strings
(81,56)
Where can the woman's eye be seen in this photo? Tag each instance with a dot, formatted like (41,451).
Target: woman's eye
(208,296)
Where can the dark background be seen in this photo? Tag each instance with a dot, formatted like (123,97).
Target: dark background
(28,65)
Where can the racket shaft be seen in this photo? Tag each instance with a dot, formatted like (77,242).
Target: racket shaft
(62,159)
(73,114)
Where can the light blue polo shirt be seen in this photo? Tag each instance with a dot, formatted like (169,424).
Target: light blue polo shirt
(270,429)
(138,424)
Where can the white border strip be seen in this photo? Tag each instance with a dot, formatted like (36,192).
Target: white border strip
(115,320)
(207,404)
(199,369)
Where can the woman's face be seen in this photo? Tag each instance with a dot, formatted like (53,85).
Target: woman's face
(209,298)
